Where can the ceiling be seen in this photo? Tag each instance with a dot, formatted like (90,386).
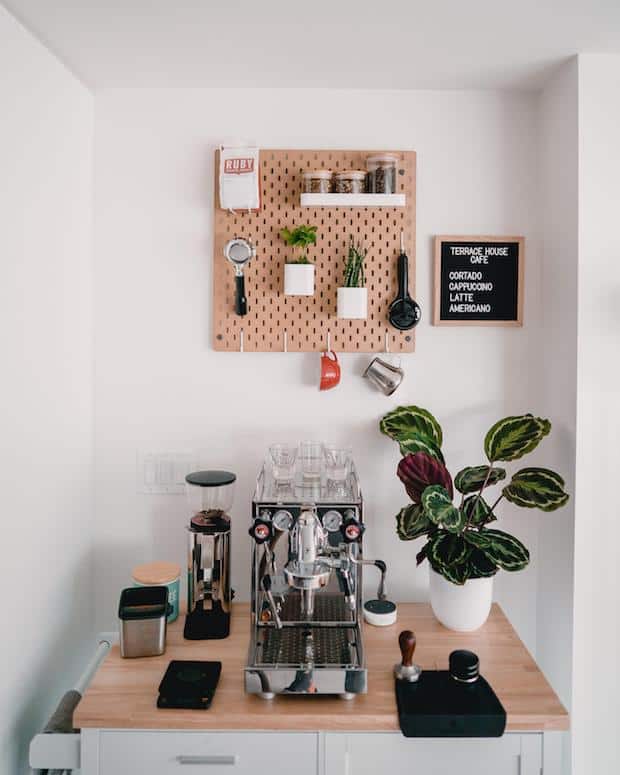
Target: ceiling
(397,44)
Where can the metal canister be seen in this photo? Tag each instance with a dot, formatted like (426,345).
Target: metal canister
(142,613)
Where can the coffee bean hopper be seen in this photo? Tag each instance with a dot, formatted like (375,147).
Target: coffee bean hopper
(306,608)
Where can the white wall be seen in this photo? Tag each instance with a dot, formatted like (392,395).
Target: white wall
(160,386)
(46,409)
(558,372)
(596,687)
(558,366)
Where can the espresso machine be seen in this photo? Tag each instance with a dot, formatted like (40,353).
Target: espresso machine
(306,610)
(210,495)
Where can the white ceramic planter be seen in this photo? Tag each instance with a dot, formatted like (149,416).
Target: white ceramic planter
(353,303)
(299,279)
(461,608)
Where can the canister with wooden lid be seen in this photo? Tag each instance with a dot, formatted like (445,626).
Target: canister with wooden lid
(160,574)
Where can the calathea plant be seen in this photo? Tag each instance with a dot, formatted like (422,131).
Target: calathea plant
(460,544)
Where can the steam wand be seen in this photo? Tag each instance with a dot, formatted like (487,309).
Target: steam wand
(380,612)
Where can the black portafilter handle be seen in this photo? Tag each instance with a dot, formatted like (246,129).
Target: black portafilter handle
(403,276)
(464,666)
(241,303)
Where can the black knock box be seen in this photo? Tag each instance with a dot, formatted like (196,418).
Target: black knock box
(437,705)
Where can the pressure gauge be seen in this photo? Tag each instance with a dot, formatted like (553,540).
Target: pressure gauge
(283,520)
(332,520)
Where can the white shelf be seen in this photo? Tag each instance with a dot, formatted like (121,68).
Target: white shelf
(353,200)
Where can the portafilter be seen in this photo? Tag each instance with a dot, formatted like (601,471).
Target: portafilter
(239,251)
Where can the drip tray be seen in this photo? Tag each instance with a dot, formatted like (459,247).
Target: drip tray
(302,646)
(327,608)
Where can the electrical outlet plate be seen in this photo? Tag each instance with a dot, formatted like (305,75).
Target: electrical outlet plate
(164,472)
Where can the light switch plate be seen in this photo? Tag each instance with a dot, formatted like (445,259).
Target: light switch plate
(164,472)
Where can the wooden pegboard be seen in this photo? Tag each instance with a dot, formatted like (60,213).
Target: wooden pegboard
(308,320)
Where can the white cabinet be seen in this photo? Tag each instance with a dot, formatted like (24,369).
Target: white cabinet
(160,752)
(393,754)
(204,753)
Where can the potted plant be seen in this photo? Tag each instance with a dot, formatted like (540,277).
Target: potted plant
(353,295)
(299,274)
(463,551)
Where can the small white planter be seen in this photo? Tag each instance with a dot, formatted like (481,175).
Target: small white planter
(461,608)
(299,279)
(353,303)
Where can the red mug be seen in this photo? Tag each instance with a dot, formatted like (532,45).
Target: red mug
(330,370)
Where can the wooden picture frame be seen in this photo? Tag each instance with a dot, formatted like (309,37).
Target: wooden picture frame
(486,240)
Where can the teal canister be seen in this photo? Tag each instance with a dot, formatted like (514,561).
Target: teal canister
(161,574)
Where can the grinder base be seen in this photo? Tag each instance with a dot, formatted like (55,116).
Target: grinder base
(207,625)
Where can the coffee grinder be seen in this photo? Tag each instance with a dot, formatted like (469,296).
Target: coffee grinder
(210,495)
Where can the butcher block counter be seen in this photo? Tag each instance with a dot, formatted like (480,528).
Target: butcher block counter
(123,692)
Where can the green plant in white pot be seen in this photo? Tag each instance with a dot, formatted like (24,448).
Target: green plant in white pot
(352,296)
(463,551)
(299,272)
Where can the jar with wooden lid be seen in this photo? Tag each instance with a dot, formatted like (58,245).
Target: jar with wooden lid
(317,182)
(350,182)
(381,177)
(161,574)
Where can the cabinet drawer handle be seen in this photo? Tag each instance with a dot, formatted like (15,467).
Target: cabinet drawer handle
(207,760)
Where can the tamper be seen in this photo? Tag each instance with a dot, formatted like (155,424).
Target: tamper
(406,670)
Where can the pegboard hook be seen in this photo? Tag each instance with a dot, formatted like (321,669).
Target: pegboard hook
(387,342)
(329,341)
(241,341)
(285,338)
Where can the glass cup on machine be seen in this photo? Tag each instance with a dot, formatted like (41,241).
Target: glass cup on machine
(337,461)
(283,457)
(311,457)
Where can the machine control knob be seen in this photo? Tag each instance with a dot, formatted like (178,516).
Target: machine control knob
(283,520)
(261,530)
(352,530)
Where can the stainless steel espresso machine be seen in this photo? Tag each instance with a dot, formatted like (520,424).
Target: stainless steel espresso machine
(210,495)
(307,563)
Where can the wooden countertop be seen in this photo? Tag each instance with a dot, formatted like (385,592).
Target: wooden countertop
(123,693)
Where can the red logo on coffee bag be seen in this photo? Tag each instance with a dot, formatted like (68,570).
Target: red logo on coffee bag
(238,166)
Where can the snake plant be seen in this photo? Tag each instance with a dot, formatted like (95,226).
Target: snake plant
(460,545)
(354,276)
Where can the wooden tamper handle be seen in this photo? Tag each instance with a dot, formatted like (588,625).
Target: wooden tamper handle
(407,670)
(407,641)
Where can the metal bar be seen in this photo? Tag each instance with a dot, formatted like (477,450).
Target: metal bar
(61,751)
(232,760)
(104,645)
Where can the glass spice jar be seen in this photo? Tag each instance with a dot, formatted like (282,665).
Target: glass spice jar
(351,182)
(317,182)
(382,173)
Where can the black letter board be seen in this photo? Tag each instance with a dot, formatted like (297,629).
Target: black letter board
(478,281)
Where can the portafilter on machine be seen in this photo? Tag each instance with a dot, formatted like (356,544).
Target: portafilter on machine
(307,583)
